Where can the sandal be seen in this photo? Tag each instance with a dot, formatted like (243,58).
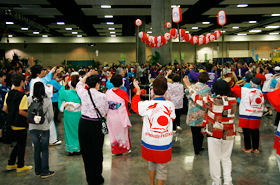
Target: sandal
(247,150)
(256,151)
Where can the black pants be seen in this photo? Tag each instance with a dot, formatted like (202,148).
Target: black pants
(19,149)
(176,122)
(255,134)
(197,139)
(91,142)
(277,119)
(55,110)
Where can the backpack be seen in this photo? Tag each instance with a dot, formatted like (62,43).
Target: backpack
(36,109)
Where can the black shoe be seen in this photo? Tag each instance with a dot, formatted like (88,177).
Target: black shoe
(71,153)
(50,174)
(201,149)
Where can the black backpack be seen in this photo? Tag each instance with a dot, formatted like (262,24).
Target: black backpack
(36,109)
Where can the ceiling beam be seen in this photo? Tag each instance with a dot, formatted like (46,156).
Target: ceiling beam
(71,10)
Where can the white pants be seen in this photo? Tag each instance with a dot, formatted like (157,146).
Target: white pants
(220,151)
(278,161)
(53,135)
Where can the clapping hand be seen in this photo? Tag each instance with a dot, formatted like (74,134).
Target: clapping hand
(187,81)
(135,83)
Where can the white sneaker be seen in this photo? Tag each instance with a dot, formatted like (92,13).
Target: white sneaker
(179,128)
(270,113)
(57,142)
(174,131)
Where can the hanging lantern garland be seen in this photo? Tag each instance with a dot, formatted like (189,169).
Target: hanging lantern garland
(158,41)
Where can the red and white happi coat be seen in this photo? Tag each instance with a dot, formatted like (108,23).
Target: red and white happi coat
(274,97)
(158,116)
(251,106)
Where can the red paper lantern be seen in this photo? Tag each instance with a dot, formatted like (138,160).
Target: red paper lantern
(143,91)
(211,38)
(155,40)
(217,34)
(187,37)
(173,33)
(205,40)
(138,22)
(152,44)
(167,24)
(145,37)
(167,36)
(194,40)
(150,39)
(176,14)
(208,34)
(200,41)
(201,36)
(161,40)
(221,18)
(182,32)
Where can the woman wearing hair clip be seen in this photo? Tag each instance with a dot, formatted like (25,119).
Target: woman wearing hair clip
(117,118)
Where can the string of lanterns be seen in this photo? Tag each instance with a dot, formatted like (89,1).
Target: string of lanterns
(158,41)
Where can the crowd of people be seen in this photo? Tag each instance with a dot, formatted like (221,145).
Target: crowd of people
(88,96)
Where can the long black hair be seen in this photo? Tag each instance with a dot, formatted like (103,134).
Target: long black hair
(39,91)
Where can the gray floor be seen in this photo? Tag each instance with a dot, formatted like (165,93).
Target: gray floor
(184,168)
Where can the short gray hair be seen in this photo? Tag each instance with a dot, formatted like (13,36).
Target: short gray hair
(253,85)
(119,71)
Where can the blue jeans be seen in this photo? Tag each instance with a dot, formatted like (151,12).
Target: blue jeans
(40,139)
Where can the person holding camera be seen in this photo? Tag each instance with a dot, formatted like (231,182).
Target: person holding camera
(40,132)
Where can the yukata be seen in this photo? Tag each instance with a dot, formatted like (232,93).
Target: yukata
(70,103)
(196,114)
(118,121)
(176,92)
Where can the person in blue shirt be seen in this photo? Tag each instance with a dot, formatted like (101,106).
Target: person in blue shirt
(56,87)
(125,85)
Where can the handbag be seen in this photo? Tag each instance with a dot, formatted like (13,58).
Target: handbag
(104,127)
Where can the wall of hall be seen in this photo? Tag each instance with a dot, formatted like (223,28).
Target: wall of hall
(52,54)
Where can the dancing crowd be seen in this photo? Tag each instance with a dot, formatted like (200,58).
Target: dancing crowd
(97,101)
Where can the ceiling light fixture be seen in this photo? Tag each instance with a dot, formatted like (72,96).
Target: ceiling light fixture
(24,28)
(113,35)
(112,32)
(274,33)
(173,6)
(35,32)
(235,27)
(60,23)
(223,31)
(111,28)
(149,32)
(110,23)
(187,31)
(10,36)
(79,36)
(206,22)
(74,32)
(105,6)
(275,14)
(252,22)
(242,5)
(9,22)
(108,16)
(44,35)
(68,28)
(275,26)
(255,31)
(194,28)
(242,34)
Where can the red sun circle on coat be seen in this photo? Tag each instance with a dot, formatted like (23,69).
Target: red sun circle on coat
(258,101)
(162,121)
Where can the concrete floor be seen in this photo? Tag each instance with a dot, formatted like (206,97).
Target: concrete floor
(184,168)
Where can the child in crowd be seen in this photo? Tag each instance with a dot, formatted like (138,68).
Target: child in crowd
(157,129)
